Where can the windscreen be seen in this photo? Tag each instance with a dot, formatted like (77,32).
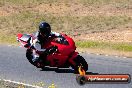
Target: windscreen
(25,37)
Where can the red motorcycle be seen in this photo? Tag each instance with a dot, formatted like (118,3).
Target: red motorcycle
(64,57)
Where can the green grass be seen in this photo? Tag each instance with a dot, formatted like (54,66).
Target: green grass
(105,45)
(33,2)
(114,3)
(27,21)
(4,84)
(8,39)
(23,2)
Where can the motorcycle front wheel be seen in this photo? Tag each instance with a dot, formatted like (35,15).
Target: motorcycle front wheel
(80,61)
(29,56)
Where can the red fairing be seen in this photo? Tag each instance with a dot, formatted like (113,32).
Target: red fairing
(22,38)
(66,49)
(19,35)
(66,52)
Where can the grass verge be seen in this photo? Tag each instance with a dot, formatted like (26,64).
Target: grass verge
(105,48)
(105,45)
(8,84)
(120,3)
(4,84)
(119,49)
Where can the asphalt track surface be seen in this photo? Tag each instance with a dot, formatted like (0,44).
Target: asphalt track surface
(14,66)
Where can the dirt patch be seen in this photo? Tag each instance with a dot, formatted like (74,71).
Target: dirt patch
(9,10)
(66,9)
(113,36)
(54,9)
(78,9)
(3,12)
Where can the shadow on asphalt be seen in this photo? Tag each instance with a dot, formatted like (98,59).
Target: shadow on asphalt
(63,70)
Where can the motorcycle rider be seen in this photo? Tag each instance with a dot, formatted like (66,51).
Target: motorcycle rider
(39,39)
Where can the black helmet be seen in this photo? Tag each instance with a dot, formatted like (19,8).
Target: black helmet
(44,29)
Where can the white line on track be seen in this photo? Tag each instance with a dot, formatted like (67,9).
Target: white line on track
(9,45)
(106,55)
(20,83)
(116,56)
(124,57)
(97,54)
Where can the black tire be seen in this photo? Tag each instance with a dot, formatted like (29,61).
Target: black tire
(80,61)
(29,56)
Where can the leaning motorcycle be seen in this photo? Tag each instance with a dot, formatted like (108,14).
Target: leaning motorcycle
(65,56)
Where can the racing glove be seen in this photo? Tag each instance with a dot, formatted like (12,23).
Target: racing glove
(51,50)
